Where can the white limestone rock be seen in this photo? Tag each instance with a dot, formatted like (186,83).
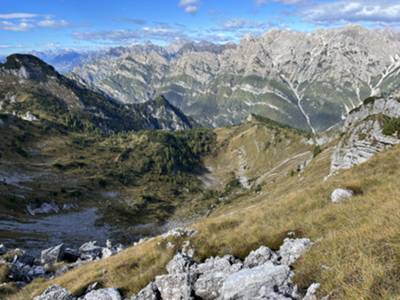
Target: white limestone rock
(55,292)
(259,257)
(339,195)
(103,294)
(268,281)
(292,249)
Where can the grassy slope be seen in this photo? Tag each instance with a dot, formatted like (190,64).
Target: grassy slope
(356,255)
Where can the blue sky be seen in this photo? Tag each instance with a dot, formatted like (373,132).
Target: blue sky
(27,25)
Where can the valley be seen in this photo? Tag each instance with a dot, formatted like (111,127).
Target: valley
(178,173)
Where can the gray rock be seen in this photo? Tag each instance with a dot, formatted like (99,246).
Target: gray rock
(180,232)
(212,274)
(179,264)
(3,249)
(90,251)
(268,281)
(103,294)
(292,249)
(339,195)
(363,133)
(55,292)
(106,252)
(36,271)
(259,257)
(150,292)
(312,292)
(52,255)
(175,286)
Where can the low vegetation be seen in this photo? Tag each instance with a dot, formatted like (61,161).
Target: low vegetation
(356,253)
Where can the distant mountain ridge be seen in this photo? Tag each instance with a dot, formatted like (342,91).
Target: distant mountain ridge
(34,90)
(306,80)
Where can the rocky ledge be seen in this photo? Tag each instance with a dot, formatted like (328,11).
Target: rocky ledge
(263,274)
(364,132)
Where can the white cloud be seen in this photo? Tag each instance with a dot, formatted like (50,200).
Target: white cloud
(190,6)
(17,16)
(26,21)
(51,23)
(159,33)
(15,26)
(383,12)
(263,2)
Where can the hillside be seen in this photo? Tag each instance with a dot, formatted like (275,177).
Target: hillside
(33,90)
(348,258)
(307,80)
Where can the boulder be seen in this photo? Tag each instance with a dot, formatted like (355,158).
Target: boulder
(36,271)
(212,274)
(90,251)
(55,292)
(259,257)
(292,249)
(339,195)
(312,292)
(106,252)
(103,294)
(150,292)
(179,264)
(177,285)
(52,255)
(268,281)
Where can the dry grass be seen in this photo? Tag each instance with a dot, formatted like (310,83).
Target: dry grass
(129,271)
(356,256)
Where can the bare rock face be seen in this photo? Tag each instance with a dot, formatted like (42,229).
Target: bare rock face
(307,80)
(340,195)
(364,133)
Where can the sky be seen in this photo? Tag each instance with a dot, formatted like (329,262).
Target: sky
(43,25)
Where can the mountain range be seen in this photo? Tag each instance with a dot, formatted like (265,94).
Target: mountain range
(307,80)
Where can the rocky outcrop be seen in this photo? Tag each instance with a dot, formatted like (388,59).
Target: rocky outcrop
(24,268)
(264,274)
(364,134)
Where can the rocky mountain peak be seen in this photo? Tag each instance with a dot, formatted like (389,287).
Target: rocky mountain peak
(29,67)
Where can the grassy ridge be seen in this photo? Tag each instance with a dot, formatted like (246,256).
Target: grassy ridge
(357,250)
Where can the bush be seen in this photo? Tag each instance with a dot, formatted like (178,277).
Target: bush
(391,127)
